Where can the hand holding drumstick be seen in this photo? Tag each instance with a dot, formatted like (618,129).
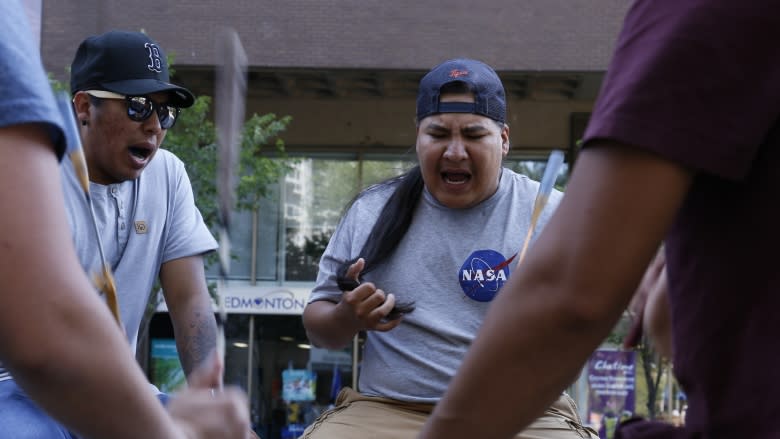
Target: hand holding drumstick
(545,188)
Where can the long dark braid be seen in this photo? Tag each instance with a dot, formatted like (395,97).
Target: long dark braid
(389,228)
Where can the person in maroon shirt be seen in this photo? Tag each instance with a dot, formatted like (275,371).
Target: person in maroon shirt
(683,146)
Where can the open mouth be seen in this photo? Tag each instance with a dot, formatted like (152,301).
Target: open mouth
(456,177)
(140,153)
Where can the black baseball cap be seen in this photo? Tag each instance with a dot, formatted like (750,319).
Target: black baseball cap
(129,63)
(489,96)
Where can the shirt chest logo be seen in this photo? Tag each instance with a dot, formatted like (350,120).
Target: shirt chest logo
(484,273)
(140,227)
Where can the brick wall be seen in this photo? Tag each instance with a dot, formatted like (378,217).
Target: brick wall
(527,35)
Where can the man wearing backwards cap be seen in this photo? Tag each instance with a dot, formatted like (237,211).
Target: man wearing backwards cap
(68,354)
(441,239)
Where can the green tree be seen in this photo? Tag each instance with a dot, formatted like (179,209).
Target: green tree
(257,169)
(193,140)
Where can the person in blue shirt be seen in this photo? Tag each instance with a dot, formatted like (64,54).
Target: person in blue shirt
(57,338)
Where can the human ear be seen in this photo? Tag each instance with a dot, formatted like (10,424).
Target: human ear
(82,107)
(505,140)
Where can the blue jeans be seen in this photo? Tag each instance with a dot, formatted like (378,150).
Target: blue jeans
(21,418)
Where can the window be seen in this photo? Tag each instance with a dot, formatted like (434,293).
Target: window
(295,222)
(315,199)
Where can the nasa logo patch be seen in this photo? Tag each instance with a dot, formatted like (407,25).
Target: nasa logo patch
(484,273)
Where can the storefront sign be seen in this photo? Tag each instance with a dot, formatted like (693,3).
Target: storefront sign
(275,301)
(611,384)
(246,299)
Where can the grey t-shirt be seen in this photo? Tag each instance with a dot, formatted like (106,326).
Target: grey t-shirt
(451,263)
(143,223)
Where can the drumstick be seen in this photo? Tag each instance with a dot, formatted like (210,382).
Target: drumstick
(545,188)
(230,98)
(103,281)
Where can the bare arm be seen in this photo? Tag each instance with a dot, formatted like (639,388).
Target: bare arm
(69,355)
(186,294)
(332,325)
(570,291)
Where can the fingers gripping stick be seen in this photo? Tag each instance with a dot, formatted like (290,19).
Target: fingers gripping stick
(545,189)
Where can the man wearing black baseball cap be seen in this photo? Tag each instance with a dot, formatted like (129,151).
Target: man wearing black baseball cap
(125,103)
(443,237)
(146,215)
(128,63)
(68,355)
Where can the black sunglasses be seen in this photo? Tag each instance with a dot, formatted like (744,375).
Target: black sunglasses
(139,108)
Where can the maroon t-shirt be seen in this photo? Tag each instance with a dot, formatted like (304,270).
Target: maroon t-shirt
(698,82)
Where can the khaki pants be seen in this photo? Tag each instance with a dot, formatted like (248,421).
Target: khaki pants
(363,417)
